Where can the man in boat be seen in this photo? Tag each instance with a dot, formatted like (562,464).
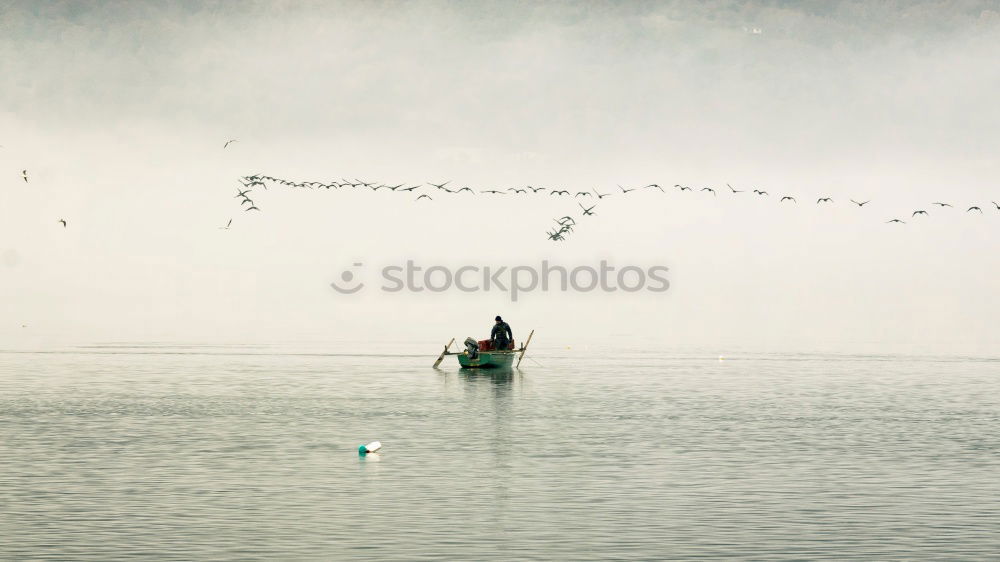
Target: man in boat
(501,336)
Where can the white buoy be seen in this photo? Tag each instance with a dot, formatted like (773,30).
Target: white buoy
(369,448)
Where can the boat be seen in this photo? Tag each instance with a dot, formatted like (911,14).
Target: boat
(483,356)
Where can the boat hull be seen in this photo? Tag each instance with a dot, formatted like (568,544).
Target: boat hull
(487,360)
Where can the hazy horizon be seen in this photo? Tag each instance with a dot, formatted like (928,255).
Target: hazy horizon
(119,112)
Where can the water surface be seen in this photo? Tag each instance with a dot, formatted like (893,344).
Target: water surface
(194,452)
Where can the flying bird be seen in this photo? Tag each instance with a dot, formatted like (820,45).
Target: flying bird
(735,190)
(63,221)
(535,189)
(896,220)
(229,142)
(251,208)
(228,224)
(657,186)
(439,185)
(493,191)
(587,211)
(824,200)
(973,208)
(466,188)
(789,197)
(860,203)
(625,190)
(245,201)
(915,213)
(517,190)
(559,192)
(24,174)
(759,192)
(995,204)
(708,189)
(584,193)
(600,196)
(682,187)
(241,193)
(422,196)
(941,204)
(414,187)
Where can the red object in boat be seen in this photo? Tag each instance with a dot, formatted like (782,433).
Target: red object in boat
(487,345)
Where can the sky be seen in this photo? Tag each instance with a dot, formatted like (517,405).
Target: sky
(119,112)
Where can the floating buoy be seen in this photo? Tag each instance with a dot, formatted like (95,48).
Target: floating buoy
(369,448)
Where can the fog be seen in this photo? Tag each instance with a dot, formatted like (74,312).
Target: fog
(119,112)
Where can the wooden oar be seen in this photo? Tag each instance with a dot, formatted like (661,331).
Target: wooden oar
(441,357)
(523,349)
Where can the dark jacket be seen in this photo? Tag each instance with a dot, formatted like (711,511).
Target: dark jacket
(501,332)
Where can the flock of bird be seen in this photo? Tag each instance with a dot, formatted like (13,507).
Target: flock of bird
(565,224)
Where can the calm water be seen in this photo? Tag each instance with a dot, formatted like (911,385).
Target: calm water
(251,453)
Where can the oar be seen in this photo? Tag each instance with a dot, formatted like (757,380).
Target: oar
(441,357)
(523,349)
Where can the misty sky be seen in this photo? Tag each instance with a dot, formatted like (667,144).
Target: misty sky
(119,111)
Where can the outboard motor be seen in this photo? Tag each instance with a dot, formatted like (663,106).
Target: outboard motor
(472,348)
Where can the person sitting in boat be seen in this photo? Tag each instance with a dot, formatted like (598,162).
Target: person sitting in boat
(501,336)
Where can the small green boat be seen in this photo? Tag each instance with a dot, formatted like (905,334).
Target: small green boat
(486,359)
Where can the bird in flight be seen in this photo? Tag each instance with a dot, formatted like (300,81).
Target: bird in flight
(559,192)
(241,193)
(788,197)
(896,220)
(229,142)
(555,236)
(657,186)
(682,187)
(466,188)
(759,192)
(535,189)
(599,195)
(625,190)
(861,203)
(584,193)
(246,200)
(63,221)
(228,224)
(495,192)
(974,208)
(24,174)
(735,190)
(941,204)
(251,208)
(915,213)
(439,185)
(995,204)
(824,200)
(587,211)
(422,196)
(708,189)
(414,187)
(567,219)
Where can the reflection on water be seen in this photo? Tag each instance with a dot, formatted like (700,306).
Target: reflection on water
(186,454)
